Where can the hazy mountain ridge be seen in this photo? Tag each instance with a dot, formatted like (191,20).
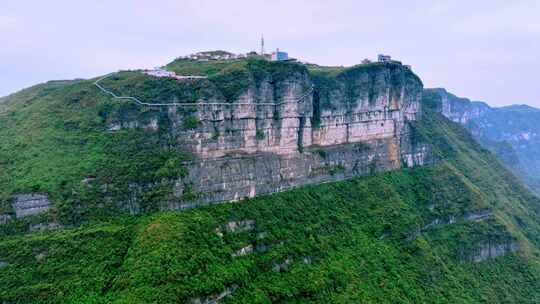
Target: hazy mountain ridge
(512,132)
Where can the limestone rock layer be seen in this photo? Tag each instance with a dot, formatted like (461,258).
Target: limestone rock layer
(296,131)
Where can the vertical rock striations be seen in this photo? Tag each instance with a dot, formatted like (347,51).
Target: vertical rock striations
(253,127)
(302,129)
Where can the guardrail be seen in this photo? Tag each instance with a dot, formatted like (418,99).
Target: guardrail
(191,104)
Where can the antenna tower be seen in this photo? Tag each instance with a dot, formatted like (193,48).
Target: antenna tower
(262,45)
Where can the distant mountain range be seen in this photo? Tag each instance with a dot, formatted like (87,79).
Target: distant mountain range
(511,132)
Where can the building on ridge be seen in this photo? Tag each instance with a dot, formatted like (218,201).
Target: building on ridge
(384,58)
(279,56)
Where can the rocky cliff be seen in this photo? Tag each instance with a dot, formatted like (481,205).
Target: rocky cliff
(71,154)
(458,109)
(252,127)
(278,134)
(510,132)
(419,235)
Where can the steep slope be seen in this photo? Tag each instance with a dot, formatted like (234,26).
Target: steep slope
(510,132)
(426,214)
(462,230)
(71,153)
(55,142)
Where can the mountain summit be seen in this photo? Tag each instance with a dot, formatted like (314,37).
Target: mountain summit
(352,187)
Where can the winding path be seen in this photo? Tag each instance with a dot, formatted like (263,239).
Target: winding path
(190,104)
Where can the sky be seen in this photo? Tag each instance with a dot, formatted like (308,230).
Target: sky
(483,50)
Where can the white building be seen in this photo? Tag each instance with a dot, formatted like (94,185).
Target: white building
(159,72)
(384,58)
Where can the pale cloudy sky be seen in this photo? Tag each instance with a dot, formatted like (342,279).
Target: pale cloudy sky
(484,50)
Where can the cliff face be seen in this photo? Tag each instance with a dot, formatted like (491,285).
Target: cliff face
(71,154)
(281,134)
(252,127)
(367,240)
(277,117)
(267,117)
(462,110)
(510,132)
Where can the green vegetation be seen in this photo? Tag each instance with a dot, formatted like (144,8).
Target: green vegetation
(57,138)
(509,132)
(353,241)
(204,68)
(233,77)
(365,240)
(322,153)
(62,134)
(190,122)
(152,89)
(259,134)
(352,81)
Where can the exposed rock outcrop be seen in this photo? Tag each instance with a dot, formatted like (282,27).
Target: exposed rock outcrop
(284,134)
(474,216)
(240,226)
(216,298)
(458,109)
(44,227)
(478,215)
(26,204)
(283,266)
(492,250)
(243,251)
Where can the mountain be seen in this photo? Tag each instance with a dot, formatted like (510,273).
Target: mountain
(511,132)
(363,191)
(77,152)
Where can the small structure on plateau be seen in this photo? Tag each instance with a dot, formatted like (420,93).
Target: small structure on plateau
(384,58)
(279,56)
